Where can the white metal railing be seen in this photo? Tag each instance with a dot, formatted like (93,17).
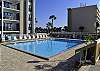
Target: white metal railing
(84,33)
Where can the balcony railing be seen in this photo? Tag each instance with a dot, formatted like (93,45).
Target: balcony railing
(11,27)
(11,16)
(11,5)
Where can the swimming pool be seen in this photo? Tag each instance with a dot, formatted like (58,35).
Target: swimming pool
(46,48)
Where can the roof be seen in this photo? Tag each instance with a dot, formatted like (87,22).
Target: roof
(84,7)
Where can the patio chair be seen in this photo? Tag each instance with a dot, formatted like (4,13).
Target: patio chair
(33,36)
(3,38)
(29,37)
(37,36)
(9,38)
(21,37)
(15,38)
(12,37)
(25,36)
(41,36)
(46,36)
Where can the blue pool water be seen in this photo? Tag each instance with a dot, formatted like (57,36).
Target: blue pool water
(45,48)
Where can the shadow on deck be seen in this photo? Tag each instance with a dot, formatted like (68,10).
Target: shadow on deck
(71,64)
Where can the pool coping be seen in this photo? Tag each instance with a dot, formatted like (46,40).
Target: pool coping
(26,52)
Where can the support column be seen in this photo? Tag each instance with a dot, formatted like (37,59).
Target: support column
(80,57)
(22,16)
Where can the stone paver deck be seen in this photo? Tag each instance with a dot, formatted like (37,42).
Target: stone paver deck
(95,67)
(13,60)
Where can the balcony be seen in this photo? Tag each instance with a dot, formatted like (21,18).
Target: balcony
(11,5)
(11,16)
(11,27)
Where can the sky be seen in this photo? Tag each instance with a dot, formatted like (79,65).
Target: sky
(46,8)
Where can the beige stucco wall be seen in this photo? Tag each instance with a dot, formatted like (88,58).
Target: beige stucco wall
(83,16)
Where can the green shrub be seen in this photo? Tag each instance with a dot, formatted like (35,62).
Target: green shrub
(88,38)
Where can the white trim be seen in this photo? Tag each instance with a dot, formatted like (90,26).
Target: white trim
(97,59)
(11,20)
(2,20)
(11,31)
(11,9)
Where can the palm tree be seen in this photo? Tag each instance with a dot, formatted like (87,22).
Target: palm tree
(36,21)
(49,26)
(52,17)
(65,28)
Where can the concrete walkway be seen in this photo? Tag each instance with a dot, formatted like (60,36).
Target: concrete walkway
(91,67)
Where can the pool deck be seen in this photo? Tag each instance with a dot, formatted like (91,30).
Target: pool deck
(95,67)
(13,60)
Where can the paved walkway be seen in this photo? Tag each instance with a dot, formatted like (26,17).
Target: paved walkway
(91,67)
(12,60)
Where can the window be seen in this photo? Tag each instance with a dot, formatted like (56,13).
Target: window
(18,6)
(30,8)
(30,17)
(30,0)
(30,27)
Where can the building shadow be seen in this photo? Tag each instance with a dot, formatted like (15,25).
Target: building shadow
(71,64)
(83,56)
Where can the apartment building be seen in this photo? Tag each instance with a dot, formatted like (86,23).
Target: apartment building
(84,17)
(9,16)
(17,16)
